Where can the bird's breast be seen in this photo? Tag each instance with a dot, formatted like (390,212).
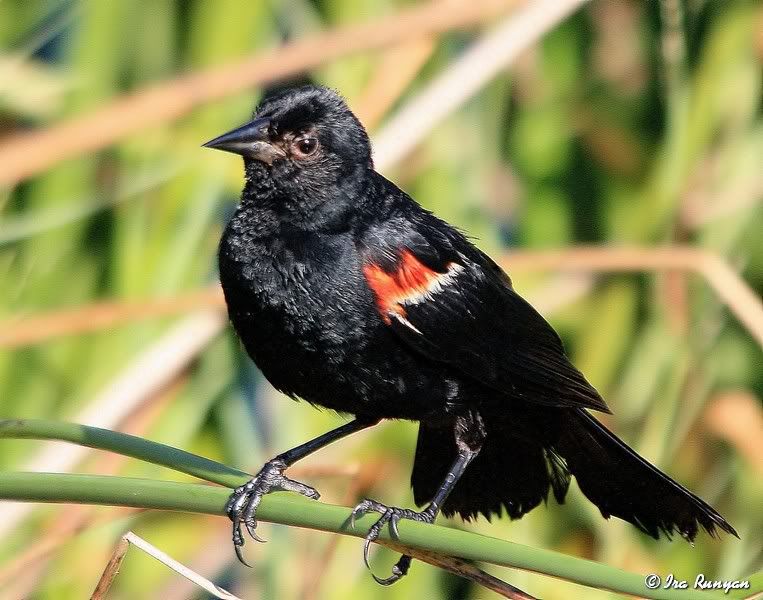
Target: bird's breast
(306,292)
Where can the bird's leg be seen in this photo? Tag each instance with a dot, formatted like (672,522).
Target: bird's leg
(243,502)
(470,433)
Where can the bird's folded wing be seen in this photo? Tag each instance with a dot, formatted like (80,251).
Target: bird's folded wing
(452,303)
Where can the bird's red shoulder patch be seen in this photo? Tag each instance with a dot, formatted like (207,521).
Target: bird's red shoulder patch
(411,282)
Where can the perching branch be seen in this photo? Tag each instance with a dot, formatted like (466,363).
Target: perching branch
(290,509)
(285,508)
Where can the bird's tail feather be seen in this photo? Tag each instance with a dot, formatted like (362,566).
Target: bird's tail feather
(621,483)
(516,470)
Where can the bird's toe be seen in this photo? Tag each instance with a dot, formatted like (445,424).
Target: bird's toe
(391,515)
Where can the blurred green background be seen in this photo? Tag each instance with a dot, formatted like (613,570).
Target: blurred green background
(631,122)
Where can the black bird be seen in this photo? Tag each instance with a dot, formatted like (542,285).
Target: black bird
(348,294)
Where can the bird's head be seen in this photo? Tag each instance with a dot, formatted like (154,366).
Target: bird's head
(302,141)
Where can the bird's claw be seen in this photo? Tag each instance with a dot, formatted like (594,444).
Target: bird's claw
(243,502)
(389,515)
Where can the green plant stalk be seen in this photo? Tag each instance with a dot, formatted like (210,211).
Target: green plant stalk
(289,509)
(127,445)
(279,508)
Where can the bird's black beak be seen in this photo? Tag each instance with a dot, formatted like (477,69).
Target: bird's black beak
(250,140)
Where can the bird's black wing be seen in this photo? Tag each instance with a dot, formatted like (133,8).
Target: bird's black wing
(451,302)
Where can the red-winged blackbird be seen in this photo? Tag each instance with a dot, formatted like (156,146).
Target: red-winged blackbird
(348,294)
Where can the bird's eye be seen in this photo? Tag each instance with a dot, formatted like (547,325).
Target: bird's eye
(305,146)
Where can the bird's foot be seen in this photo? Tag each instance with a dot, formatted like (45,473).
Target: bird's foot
(391,515)
(243,502)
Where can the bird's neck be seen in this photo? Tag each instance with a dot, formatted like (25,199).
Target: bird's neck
(265,211)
